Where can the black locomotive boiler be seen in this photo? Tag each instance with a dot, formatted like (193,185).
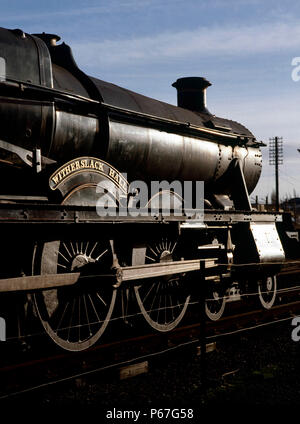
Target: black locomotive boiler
(68,140)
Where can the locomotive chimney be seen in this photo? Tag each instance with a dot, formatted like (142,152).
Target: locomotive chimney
(191,93)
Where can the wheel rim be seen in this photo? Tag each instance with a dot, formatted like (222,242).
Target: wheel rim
(74,317)
(215,303)
(267,289)
(163,301)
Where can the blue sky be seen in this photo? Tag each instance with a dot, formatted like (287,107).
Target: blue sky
(244,47)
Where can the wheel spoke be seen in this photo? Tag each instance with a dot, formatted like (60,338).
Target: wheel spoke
(154,253)
(144,298)
(151,259)
(154,297)
(87,315)
(71,318)
(162,303)
(79,322)
(86,248)
(74,317)
(91,252)
(166,309)
(100,256)
(62,317)
(99,297)
(171,306)
(67,250)
(71,244)
(175,244)
(67,260)
(92,303)
(158,309)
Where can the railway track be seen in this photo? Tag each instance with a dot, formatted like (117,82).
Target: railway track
(36,373)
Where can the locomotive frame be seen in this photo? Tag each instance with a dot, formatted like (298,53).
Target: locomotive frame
(42,225)
(74,136)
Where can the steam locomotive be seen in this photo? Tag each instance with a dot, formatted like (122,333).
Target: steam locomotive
(71,144)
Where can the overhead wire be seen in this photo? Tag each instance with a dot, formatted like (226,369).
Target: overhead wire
(138,358)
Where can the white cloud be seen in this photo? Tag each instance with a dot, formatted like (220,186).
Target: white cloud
(274,115)
(106,8)
(208,41)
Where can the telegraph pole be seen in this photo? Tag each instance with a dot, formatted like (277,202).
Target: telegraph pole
(276,158)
